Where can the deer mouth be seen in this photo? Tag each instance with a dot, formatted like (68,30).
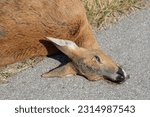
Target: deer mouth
(118,80)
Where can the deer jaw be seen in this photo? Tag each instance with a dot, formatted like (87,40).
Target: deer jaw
(93,64)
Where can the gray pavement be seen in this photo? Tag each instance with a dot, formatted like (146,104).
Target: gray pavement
(128,42)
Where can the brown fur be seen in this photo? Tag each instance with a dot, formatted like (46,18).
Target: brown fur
(24,24)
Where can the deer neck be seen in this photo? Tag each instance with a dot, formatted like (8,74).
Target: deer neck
(87,39)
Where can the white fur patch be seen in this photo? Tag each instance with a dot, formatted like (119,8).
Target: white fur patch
(125,74)
(61,42)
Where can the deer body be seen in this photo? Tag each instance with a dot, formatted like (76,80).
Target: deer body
(25,24)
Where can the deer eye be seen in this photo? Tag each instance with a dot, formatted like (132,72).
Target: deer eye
(97,58)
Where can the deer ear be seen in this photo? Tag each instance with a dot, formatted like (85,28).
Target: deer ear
(62,43)
(66,46)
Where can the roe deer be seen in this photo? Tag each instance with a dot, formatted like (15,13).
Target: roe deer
(25,24)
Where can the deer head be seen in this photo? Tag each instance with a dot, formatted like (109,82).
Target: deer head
(92,64)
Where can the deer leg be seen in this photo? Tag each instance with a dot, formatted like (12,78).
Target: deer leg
(65,70)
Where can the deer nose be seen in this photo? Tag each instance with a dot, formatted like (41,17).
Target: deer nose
(121,75)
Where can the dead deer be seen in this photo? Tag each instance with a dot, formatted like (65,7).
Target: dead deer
(25,24)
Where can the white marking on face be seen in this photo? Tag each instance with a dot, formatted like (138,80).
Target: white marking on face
(125,74)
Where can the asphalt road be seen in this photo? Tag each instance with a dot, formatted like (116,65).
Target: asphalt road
(128,42)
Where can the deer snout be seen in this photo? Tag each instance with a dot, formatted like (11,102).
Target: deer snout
(118,77)
(121,75)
